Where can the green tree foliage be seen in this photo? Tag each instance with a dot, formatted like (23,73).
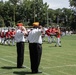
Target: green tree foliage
(73,17)
(29,11)
(1,17)
(1,21)
(14,2)
(72,3)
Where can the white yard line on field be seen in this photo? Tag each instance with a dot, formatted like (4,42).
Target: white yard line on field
(4,73)
(14,56)
(47,60)
(11,62)
(65,73)
(59,66)
(16,63)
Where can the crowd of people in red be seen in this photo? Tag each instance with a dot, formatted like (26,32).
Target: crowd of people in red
(53,33)
(7,36)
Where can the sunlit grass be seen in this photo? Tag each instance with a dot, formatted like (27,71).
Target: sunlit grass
(54,61)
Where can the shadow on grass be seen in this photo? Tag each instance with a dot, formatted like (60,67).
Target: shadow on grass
(8,67)
(22,73)
(51,46)
(16,72)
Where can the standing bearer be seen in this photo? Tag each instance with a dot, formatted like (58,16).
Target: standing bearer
(20,39)
(35,46)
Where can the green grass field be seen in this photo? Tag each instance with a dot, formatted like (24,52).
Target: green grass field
(55,60)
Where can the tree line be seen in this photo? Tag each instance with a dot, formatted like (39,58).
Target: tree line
(29,11)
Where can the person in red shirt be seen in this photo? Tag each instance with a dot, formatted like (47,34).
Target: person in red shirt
(8,36)
(58,35)
(12,33)
(48,32)
(2,36)
(53,34)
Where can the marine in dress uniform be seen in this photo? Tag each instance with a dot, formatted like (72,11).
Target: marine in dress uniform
(58,35)
(35,46)
(48,32)
(12,36)
(20,39)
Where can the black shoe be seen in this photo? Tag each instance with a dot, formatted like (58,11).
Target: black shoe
(39,72)
(60,46)
(55,45)
(36,72)
(21,67)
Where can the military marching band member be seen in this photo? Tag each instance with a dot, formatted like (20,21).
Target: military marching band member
(2,35)
(13,36)
(58,35)
(48,32)
(52,34)
(8,37)
(35,46)
(20,39)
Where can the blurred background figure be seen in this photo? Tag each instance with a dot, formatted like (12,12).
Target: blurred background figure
(58,35)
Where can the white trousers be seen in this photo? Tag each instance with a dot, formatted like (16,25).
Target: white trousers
(58,42)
